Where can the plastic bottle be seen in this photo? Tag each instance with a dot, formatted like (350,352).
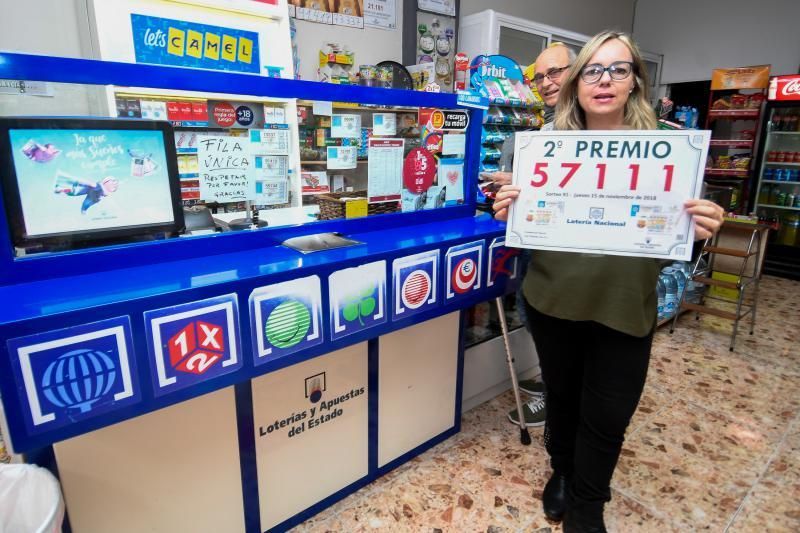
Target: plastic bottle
(680,277)
(694,117)
(671,295)
(661,291)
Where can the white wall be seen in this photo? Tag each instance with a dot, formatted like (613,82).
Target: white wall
(719,34)
(48,27)
(371,45)
(581,16)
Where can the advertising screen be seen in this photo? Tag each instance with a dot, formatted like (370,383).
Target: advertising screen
(90,180)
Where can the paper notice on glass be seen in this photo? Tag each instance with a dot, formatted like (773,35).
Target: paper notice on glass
(380,14)
(342,157)
(451,177)
(270,167)
(607,192)
(454,144)
(384,124)
(314,182)
(385,169)
(445,7)
(273,139)
(271,192)
(346,126)
(322,108)
(224,169)
(338,183)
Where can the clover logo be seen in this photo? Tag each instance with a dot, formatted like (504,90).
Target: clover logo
(360,306)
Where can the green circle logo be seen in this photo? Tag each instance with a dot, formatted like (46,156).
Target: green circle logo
(288,324)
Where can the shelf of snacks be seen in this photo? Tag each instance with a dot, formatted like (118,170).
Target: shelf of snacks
(734,114)
(727,172)
(733,143)
(354,107)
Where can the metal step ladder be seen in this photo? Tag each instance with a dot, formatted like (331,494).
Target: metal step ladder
(747,280)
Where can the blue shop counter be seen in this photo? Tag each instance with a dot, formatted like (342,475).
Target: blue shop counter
(227,382)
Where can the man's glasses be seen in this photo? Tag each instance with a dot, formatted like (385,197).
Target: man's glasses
(618,70)
(554,74)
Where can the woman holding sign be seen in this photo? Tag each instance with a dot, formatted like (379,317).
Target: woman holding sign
(593,316)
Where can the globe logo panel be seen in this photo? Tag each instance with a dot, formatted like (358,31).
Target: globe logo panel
(193,342)
(286,318)
(68,375)
(463,269)
(357,298)
(414,282)
(504,263)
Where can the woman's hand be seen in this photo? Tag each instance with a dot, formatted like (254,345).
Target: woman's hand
(503,199)
(707,217)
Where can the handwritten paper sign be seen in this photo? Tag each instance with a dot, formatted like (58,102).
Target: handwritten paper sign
(224,164)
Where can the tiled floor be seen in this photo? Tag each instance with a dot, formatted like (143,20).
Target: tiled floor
(714,446)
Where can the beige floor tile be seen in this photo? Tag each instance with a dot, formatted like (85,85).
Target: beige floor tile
(692,466)
(774,503)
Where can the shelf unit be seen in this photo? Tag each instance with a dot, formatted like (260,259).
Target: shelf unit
(727,172)
(738,202)
(735,114)
(733,143)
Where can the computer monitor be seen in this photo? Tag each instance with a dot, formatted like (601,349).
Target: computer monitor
(71,182)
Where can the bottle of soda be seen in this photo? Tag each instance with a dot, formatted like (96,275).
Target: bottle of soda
(777,121)
(792,124)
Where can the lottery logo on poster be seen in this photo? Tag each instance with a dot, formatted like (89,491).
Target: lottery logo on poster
(72,374)
(357,298)
(286,318)
(463,269)
(193,342)
(503,262)
(414,279)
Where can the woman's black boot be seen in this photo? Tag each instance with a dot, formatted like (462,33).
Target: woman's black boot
(554,497)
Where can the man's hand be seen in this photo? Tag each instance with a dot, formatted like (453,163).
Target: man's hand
(503,199)
(498,178)
(707,217)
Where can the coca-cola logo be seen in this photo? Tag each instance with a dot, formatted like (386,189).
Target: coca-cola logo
(792,87)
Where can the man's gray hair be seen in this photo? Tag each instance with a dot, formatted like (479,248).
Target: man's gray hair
(570,52)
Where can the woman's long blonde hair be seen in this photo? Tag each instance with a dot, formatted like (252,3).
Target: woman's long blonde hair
(638,113)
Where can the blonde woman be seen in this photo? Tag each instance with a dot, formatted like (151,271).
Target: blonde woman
(593,316)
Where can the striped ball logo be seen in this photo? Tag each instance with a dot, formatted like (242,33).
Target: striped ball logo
(288,324)
(416,289)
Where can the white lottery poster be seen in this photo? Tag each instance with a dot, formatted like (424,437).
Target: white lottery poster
(271,192)
(607,192)
(384,124)
(272,140)
(385,167)
(342,157)
(346,126)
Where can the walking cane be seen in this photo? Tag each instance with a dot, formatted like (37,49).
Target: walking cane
(524,436)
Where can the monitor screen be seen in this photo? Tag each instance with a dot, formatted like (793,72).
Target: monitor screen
(79,180)
(83,180)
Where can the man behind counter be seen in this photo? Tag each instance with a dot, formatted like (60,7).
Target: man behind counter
(548,71)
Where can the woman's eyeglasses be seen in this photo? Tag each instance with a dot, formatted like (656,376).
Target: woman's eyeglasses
(618,70)
(554,74)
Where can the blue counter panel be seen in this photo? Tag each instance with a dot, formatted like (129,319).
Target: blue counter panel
(193,326)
